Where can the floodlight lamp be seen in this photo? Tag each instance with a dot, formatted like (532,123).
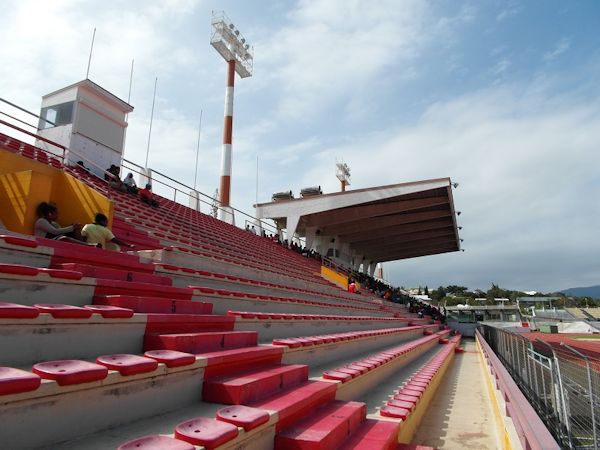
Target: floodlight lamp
(462,240)
(231,26)
(460,228)
(458,213)
(462,249)
(237,32)
(455,185)
(247,46)
(243,40)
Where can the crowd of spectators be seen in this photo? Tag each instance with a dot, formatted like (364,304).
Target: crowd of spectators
(113,174)
(425,309)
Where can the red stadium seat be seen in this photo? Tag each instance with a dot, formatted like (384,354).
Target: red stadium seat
(15,311)
(171,358)
(128,364)
(70,371)
(243,416)
(60,311)
(14,381)
(156,442)
(209,433)
(111,312)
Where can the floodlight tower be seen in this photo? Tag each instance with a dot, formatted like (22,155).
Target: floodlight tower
(343,174)
(231,45)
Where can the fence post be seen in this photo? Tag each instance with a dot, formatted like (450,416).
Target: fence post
(560,395)
(591,389)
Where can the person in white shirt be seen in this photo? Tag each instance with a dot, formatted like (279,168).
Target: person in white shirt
(129,183)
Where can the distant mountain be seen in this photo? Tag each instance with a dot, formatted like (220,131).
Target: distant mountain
(590,291)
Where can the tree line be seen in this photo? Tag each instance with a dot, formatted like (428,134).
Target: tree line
(455,294)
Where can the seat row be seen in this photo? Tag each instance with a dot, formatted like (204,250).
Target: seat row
(61,311)
(360,367)
(222,293)
(309,341)
(171,269)
(73,372)
(293,316)
(29,151)
(228,424)
(405,400)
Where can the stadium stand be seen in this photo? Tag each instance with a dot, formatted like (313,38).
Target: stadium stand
(203,336)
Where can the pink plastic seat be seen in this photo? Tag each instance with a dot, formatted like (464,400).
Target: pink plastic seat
(156,442)
(17,269)
(210,433)
(407,397)
(23,242)
(70,371)
(14,381)
(353,372)
(171,358)
(111,312)
(63,274)
(128,364)
(337,375)
(401,404)
(60,311)
(392,411)
(291,343)
(360,368)
(414,392)
(15,311)
(243,416)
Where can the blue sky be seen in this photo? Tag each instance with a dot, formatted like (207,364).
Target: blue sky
(501,96)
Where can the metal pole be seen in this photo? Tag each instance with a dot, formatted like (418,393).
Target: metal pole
(87,73)
(197,153)
(130,82)
(150,130)
(225,181)
(256,195)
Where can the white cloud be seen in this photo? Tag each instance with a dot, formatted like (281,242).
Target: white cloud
(333,47)
(561,47)
(523,165)
(328,84)
(509,12)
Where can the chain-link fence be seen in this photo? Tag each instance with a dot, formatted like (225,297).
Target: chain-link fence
(560,382)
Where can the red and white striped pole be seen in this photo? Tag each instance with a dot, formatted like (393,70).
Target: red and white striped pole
(225,181)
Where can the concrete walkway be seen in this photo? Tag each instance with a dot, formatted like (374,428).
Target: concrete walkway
(460,416)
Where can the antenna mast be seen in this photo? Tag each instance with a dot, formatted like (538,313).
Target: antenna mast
(343,174)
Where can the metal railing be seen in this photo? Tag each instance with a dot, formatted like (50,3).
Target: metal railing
(169,187)
(560,382)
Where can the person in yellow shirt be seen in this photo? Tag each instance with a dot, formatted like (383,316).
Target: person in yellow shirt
(99,233)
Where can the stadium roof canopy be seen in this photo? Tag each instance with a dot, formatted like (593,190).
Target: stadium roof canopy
(384,223)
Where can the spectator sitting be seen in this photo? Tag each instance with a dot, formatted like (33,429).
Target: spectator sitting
(113,176)
(98,233)
(80,164)
(130,185)
(147,197)
(47,227)
(351,287)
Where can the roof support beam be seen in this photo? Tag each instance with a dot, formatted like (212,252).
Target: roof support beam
(365,236)
(360,212)
(383,222)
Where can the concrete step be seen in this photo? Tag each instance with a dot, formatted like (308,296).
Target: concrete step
(250,386)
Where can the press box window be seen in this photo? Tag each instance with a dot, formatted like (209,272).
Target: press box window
(56,115)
